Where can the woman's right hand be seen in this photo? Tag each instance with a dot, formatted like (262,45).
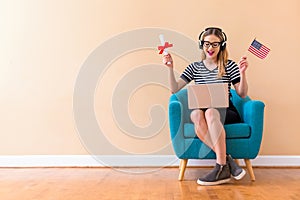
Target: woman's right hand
(168,61)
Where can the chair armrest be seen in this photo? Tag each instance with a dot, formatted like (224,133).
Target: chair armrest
(253,114)
(176,126)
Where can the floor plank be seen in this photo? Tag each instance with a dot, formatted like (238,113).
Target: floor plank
(142,184)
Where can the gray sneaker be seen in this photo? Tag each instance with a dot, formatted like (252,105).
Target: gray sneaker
(236,171)
(219,175)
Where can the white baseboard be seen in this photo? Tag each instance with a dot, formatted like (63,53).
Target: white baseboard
(130,161)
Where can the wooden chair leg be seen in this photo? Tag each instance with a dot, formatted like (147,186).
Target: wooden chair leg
(182,166)
(250,169)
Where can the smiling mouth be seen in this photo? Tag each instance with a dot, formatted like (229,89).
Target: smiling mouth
(210,53)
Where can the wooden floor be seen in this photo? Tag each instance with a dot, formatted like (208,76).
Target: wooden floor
(142,184)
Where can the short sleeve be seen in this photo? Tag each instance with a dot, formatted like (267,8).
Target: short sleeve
(233,72)
(188,74)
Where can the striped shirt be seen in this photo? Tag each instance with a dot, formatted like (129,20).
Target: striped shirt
(198,72)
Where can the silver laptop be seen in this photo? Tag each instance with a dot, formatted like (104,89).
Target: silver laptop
(213,95)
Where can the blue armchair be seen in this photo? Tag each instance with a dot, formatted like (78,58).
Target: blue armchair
(243,140)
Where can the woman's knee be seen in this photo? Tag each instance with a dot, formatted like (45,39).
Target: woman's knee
(195,116)
(212,114)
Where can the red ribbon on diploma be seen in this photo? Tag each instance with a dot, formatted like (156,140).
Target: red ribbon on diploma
(162,48)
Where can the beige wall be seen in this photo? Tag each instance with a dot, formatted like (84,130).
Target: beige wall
(43,45)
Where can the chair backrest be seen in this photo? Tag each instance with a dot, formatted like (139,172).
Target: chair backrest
(238,102)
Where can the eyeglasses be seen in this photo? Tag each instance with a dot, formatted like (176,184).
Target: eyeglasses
(208,44)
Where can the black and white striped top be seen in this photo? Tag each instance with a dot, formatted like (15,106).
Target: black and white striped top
(198,72)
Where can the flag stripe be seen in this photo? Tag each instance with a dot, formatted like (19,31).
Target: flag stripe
(258,49)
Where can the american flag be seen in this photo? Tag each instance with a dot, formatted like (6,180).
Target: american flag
(258,49)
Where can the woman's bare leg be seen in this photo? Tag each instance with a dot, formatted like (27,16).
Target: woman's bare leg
(201,129)
(210,130)
(217,133)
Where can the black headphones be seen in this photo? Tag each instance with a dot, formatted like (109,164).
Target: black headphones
(223,43)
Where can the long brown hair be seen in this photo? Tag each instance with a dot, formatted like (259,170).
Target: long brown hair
(222,57)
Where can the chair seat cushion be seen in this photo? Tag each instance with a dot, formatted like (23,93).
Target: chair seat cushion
(238,130)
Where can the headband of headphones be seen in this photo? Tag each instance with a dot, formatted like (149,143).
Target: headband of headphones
(223,44)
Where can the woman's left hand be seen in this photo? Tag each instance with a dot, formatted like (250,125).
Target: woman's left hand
(243,64)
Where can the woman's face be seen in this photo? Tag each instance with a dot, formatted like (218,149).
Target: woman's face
(211,46)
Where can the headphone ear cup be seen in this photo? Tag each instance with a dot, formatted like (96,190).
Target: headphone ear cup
(223,46)
(200,45)
(200,40)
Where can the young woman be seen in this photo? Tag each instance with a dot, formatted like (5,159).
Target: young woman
(214,68)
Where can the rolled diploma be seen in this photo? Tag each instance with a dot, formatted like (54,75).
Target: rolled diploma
(162,41)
